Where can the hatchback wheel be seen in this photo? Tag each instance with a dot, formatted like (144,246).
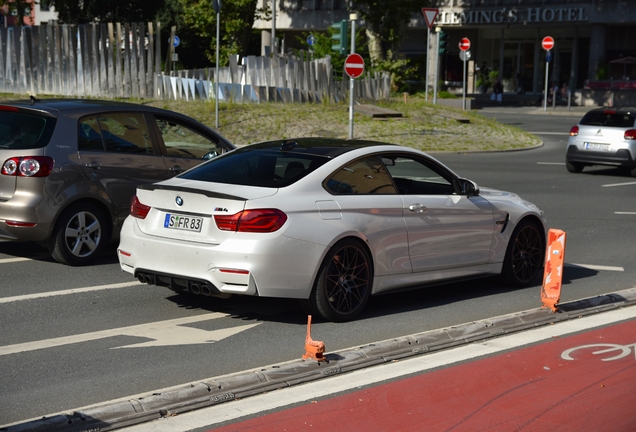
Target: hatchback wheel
(525,255)
(574,167)
(79,236)
(343,285)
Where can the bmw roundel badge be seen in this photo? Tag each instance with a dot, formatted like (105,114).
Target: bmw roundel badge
(179,200)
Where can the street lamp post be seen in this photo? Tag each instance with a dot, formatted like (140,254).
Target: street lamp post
(216,4)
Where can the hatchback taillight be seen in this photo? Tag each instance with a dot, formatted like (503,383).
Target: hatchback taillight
(574,131)
(138,209)
(255,221)
(28,166)
(630,134)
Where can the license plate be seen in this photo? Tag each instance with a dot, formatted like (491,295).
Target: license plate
(596,146)
(181,222)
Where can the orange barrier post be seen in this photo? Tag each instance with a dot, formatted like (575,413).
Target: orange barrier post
(553,273)
(313,349)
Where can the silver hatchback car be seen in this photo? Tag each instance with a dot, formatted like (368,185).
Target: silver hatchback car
(605,136)
(69,168)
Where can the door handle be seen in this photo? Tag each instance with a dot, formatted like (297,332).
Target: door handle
(417,208)
(93,165)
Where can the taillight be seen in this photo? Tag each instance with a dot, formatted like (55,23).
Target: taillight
(8,108)
(138,209)
(574,131)
(28,166)
(630,134)
(255,221)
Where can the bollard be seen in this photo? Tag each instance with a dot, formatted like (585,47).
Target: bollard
(553,272)
(406,96)
(313,349)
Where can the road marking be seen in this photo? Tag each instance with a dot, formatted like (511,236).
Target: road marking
(13,260)
(594,267)
(627,213)
(209,417)
(625,350)
(163,333)
(550,163)
(67,292)
(619,184)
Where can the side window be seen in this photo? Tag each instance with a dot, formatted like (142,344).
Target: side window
(116,132)
(89,135)
(363,176)
(183,141)
(125,133)
(415,177)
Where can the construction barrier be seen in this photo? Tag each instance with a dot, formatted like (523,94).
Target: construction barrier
(553,273)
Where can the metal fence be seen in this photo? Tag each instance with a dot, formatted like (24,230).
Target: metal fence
(124,60)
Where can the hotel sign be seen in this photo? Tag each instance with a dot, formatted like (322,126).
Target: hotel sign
(514,15)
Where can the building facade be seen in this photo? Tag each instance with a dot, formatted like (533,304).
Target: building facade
(594,39)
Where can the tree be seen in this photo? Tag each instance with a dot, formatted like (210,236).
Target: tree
(237,20)
(386,24)
(88,11)
(17,6)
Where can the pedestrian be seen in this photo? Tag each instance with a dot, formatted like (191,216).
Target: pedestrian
(497,93)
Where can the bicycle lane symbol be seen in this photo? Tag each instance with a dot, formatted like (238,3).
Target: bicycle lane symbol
(623,351)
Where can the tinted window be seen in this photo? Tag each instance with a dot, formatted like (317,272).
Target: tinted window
(182,140)
(608,119)
(418,177)
(363,176)
(24,131)
(251,167)
(116,132)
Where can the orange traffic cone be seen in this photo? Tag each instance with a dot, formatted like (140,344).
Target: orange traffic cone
(553,273)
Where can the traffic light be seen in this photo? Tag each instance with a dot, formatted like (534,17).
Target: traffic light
(340,36)
(443,42)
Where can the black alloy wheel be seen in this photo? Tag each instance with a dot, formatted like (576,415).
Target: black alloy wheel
(525,255)
(344,282)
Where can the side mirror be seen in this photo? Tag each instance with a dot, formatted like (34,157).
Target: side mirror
(466,187)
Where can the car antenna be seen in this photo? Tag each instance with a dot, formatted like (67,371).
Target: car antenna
(288,145)
(33,99)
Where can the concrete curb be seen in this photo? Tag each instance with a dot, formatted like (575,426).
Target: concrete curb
(221,389)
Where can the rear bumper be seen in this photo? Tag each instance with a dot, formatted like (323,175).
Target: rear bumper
(621,157)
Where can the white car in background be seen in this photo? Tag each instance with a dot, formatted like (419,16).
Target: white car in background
(329,222)
(604,136)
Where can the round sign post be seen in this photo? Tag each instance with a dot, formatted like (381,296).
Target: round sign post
(547,43)
(464,55)
(354,67)
(464,44)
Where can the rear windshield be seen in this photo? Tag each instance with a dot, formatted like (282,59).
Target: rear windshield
(264,168)
(608,119)
(24,131)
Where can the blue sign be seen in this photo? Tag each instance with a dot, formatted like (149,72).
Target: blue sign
(176,41)
(548,56)
(311,40)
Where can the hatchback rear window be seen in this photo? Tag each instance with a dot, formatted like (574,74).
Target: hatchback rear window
(24,131)
(608,119)
(264,168)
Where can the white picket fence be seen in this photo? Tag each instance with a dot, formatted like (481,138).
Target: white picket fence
(124,60)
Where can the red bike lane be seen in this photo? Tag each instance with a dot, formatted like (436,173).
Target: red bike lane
(584,382)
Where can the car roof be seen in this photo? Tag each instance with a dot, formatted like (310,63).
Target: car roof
(328,147)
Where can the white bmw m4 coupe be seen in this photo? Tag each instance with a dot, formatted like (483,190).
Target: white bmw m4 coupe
(329,222)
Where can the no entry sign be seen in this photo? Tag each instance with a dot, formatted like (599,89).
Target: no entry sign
(354,65)
(547,43)
(464,44)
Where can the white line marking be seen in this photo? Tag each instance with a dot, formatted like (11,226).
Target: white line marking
(628,213)
(619,184)
(550,163)
(12,260)
(229,411)
(163,333)
(594,267)
(67,292)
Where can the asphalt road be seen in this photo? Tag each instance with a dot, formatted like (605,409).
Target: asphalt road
(72,337)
